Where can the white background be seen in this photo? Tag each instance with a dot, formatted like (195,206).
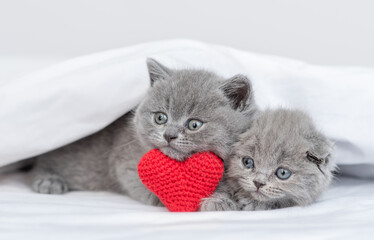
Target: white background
(333,32)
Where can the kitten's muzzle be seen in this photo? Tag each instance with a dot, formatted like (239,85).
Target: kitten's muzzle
(171,133)
(169,137)
(258,184)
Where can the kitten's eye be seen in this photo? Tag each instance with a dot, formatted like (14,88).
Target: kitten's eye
(161,118)
(283,173)
(194,124)
(248,162)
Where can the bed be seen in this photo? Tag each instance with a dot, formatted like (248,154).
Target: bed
(345,211)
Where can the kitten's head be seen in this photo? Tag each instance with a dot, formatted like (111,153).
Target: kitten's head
(282,159)
(188,111)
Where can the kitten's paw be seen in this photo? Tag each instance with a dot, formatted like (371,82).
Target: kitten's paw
(218,203)
(251,205)
(151,199)
(51,184)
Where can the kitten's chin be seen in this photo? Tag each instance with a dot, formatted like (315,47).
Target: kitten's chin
(174,154)
(259,196)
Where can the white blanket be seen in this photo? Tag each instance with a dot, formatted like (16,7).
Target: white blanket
(68,101)
(345,211)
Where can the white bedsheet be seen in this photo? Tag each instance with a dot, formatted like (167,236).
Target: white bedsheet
(345,211)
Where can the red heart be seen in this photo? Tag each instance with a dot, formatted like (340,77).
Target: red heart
(181,185)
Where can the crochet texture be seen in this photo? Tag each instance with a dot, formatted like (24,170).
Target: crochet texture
(181,185)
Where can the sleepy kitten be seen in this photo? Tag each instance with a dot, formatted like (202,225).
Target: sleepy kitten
(281,161)
(184,111)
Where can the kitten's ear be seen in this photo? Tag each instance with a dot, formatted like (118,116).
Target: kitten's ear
(157,71)
(238,90)
(322,148)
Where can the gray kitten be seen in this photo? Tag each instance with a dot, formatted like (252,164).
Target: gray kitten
(281,161)
(184,111)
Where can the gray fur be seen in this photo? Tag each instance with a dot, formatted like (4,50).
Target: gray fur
(22,165)
(277,138)
(108,159)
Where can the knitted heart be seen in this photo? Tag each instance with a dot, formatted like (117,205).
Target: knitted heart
(181,185)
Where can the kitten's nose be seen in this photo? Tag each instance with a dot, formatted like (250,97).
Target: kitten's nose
(258,184)
(169,137)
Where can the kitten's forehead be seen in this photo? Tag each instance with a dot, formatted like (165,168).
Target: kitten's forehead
(276,137)
(188,92)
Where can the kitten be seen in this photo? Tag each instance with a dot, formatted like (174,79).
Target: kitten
(281,161)
(184,111)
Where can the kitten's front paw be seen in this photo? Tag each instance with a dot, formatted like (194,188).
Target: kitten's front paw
(218,203)
(151,199)
(51,184)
